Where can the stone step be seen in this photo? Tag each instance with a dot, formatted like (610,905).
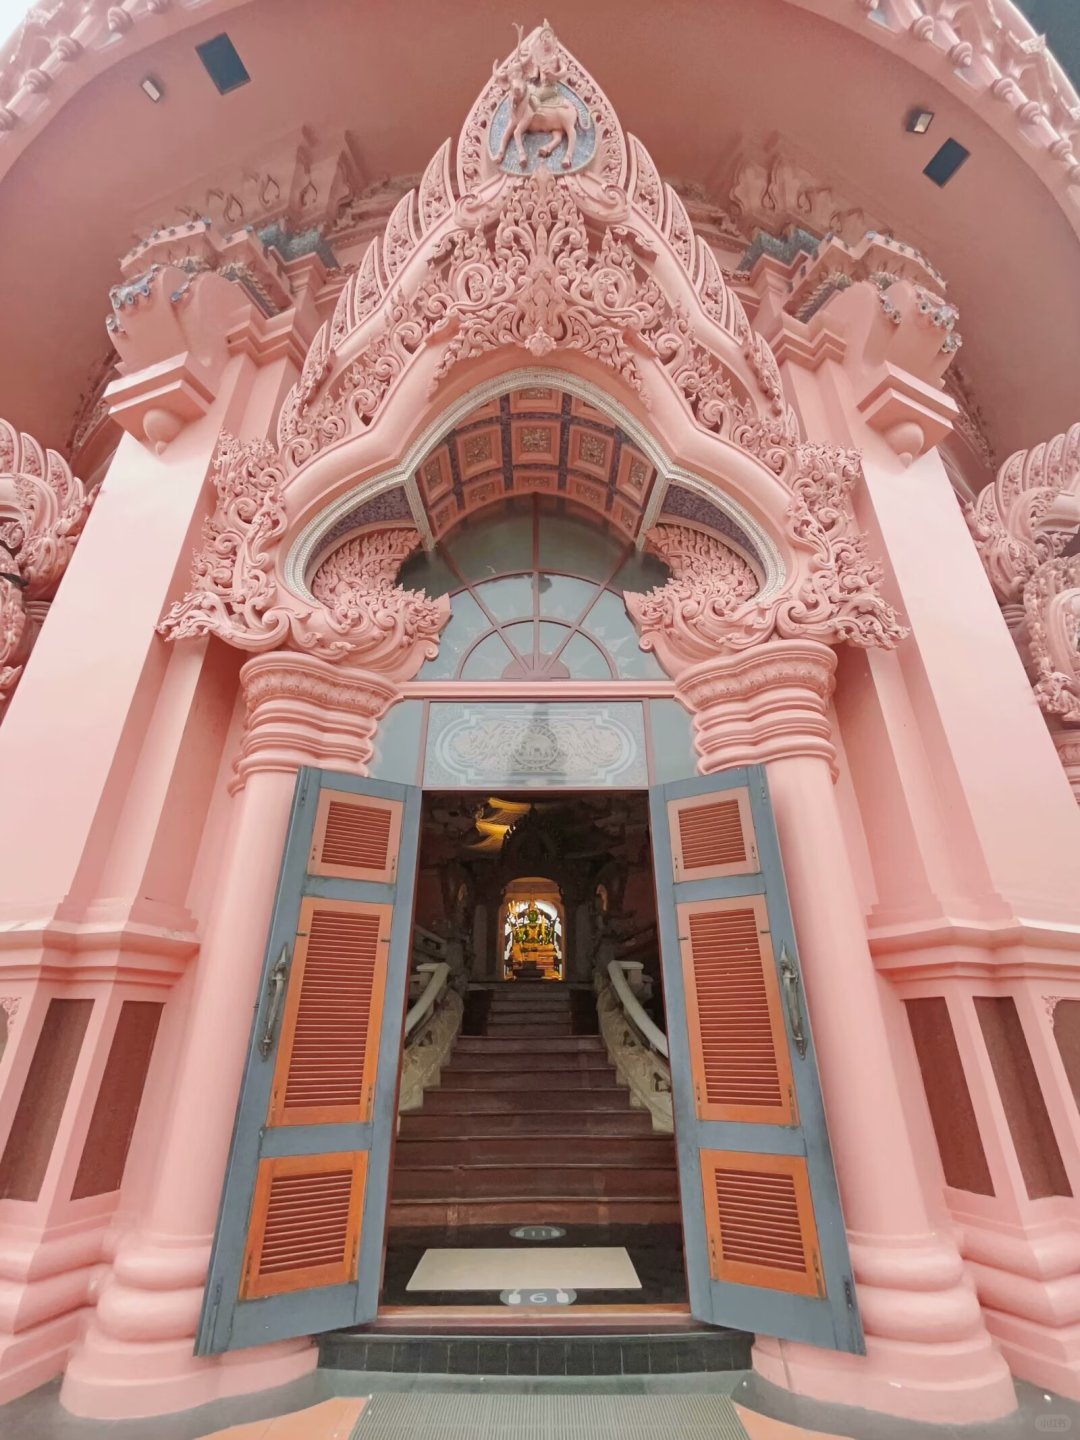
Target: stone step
(543,1045)
(460,1101)
(535,1182)
(461,1077)
(502,1062)
(653,1151)
(537,1030)
(569,1126)
(533,1210)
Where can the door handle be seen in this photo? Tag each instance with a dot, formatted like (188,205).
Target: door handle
(275,988)
(789,976)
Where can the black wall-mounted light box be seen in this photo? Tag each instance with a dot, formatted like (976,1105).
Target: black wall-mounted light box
(223,64)
(945,162)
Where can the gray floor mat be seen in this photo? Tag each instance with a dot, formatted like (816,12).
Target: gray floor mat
(548,1417)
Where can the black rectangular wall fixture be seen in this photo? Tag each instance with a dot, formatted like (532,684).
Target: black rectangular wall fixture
(945,163)
(223,64)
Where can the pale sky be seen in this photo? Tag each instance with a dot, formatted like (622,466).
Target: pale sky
(11,12)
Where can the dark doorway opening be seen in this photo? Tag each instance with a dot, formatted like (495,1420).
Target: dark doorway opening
(535,1163)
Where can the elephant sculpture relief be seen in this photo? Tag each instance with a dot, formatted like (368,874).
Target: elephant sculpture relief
(533,77)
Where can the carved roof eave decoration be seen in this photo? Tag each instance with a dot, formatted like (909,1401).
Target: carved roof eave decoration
(1024,525)
(523,268)
(980,51)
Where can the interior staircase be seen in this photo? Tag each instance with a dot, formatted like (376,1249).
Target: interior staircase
(530,1125)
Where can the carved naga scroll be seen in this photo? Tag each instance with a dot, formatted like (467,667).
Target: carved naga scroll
(1023,524)
(1028,514)
(43,509)
(361,616)
(710,605)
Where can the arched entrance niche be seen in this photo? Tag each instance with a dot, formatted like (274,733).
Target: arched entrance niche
(597,273)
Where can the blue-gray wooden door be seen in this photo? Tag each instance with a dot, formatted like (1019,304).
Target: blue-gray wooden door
(299,1242)
(766,1249)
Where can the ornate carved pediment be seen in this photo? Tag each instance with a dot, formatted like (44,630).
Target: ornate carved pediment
(43,509)
(709,607)
(595,258)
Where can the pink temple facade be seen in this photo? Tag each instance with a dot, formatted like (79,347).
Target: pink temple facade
(841,551)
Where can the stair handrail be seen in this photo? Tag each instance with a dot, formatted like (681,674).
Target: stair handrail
(643,939)
(427,943)
(632,1007)
(438,972)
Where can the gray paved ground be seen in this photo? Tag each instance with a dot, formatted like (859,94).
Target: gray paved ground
(39,1416)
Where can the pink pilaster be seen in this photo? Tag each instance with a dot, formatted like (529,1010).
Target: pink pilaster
(137,1357)
(929,1356)
(974,842)
(95,875)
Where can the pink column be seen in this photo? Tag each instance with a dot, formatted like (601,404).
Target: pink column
(136,1358)
(929,1357)
(72,926)
(972,830)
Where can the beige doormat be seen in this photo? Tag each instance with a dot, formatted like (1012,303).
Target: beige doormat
(584,1267)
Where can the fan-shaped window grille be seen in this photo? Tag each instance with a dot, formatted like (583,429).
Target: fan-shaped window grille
(536,595)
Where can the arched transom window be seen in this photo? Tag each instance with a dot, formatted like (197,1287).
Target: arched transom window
(536,594)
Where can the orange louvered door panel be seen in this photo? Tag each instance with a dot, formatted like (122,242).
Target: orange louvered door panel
(330,1036)
(307,1224)
(356,837)
(739,1051)
(713,835)
(760,1218)
(300,1237)
(766,1247)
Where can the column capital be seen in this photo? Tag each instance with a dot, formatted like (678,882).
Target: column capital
(769,703)
(305,711)
(190,298)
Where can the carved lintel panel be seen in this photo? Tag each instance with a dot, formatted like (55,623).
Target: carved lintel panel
(530,744)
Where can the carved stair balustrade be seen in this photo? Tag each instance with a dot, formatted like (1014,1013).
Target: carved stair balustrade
(1025,526)
(43,509)
(645,1072)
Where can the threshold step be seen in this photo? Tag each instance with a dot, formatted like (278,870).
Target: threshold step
(491,1351)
